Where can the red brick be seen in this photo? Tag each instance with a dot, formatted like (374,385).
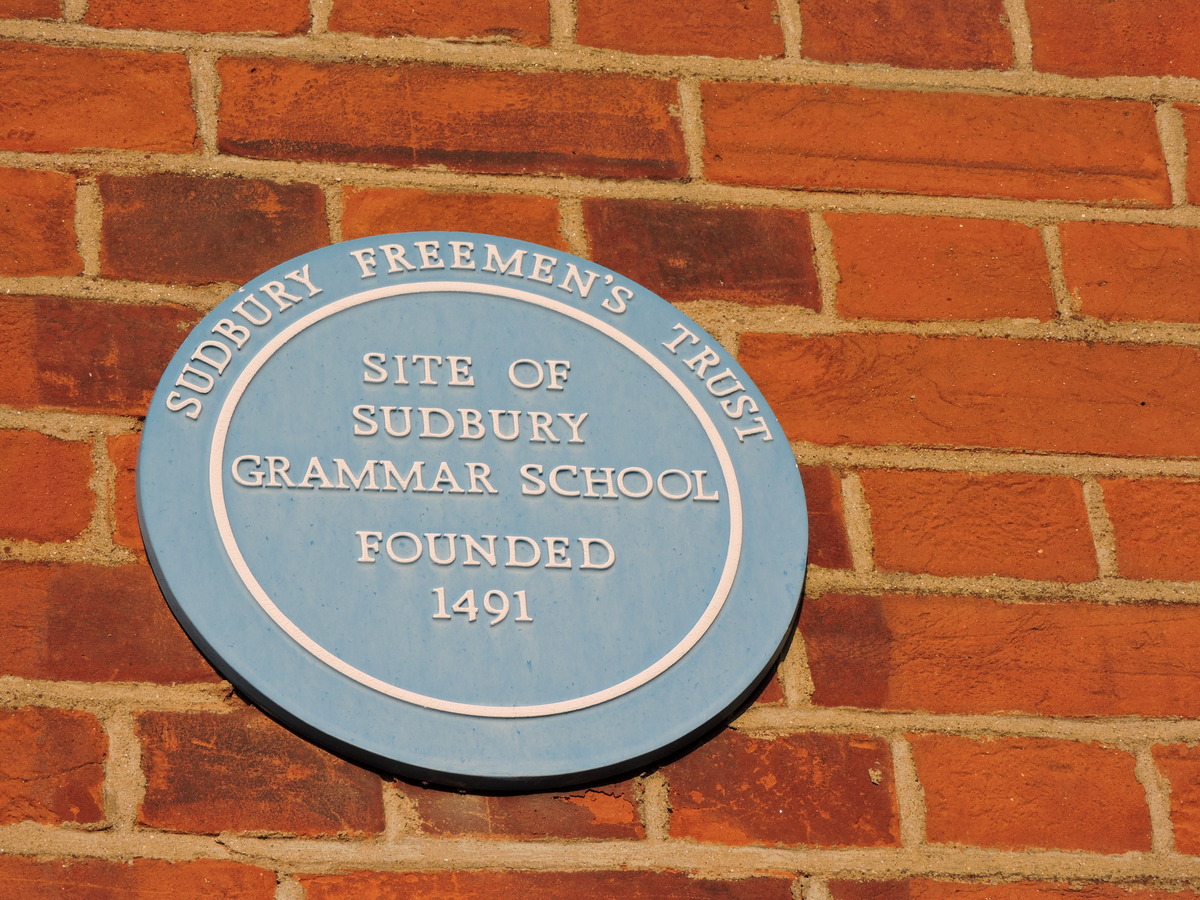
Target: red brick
(80,622)
(60,99)
(828,542)
(44,492)
(1156,523)
(475,120)
(1180,764)
(921,34)
(922,889)
(123,451)
(686,252)
(30,9)
(828,790)
(915,269)
(51,767)
(527,22)
(1125,272)
(959,523)
(213,772)
(770,691)
(140,879)
(85,355)
(496,885)
(748,29)
(1060,396)
(1115,37)
(1191,130)
(274,17)
(971,655)
(1018,793)
(839,138)
(371,211)
(173,228)
(37,223)
(602,812)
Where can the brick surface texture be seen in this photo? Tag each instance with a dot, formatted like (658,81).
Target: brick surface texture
(523,23)
(748,29)
(177,228)
(757,257)
(244,755)
(962,524)
(929,34)
(606,812)
(978,655)
(53,769)
(37,224)
(277,17)
(540,886)
(1129,272)
(384,211)
(30,9)
(1114,37)
(141,879)
(819,789)
(1015,793)
(931,268)
(44,493)
(62,99)
(957,246)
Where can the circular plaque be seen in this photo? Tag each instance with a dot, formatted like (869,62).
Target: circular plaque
(472,510)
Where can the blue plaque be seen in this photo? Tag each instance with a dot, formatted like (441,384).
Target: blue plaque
(472,510)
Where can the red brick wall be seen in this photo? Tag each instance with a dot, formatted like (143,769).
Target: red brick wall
(952,240)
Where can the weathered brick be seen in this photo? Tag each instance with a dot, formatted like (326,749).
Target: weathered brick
(923,889)
(80,622)
(240,771)
(139,879)
(276,17)
(1018,793)
(841,138)
(960,523)
(497,885)
(369,211)
(173,228)
(123,451)
(51,766)
(1156,524)
(828,542)
(748,29)
(527,22)
(687,252)
(828,790)
(922,34)
(602,812)
(971,655)
(1191,130)
(85,355)
(1062,396)
(471,120)
(770,690)
(61,99)
(44,492)
(30,9)
(37,223)
(1115,37)
(1180,764)
(1132,272)
(921,268)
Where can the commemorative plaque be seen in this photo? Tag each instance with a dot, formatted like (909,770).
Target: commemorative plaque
(472,510)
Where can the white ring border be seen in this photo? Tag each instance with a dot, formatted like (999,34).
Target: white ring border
(217,494)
